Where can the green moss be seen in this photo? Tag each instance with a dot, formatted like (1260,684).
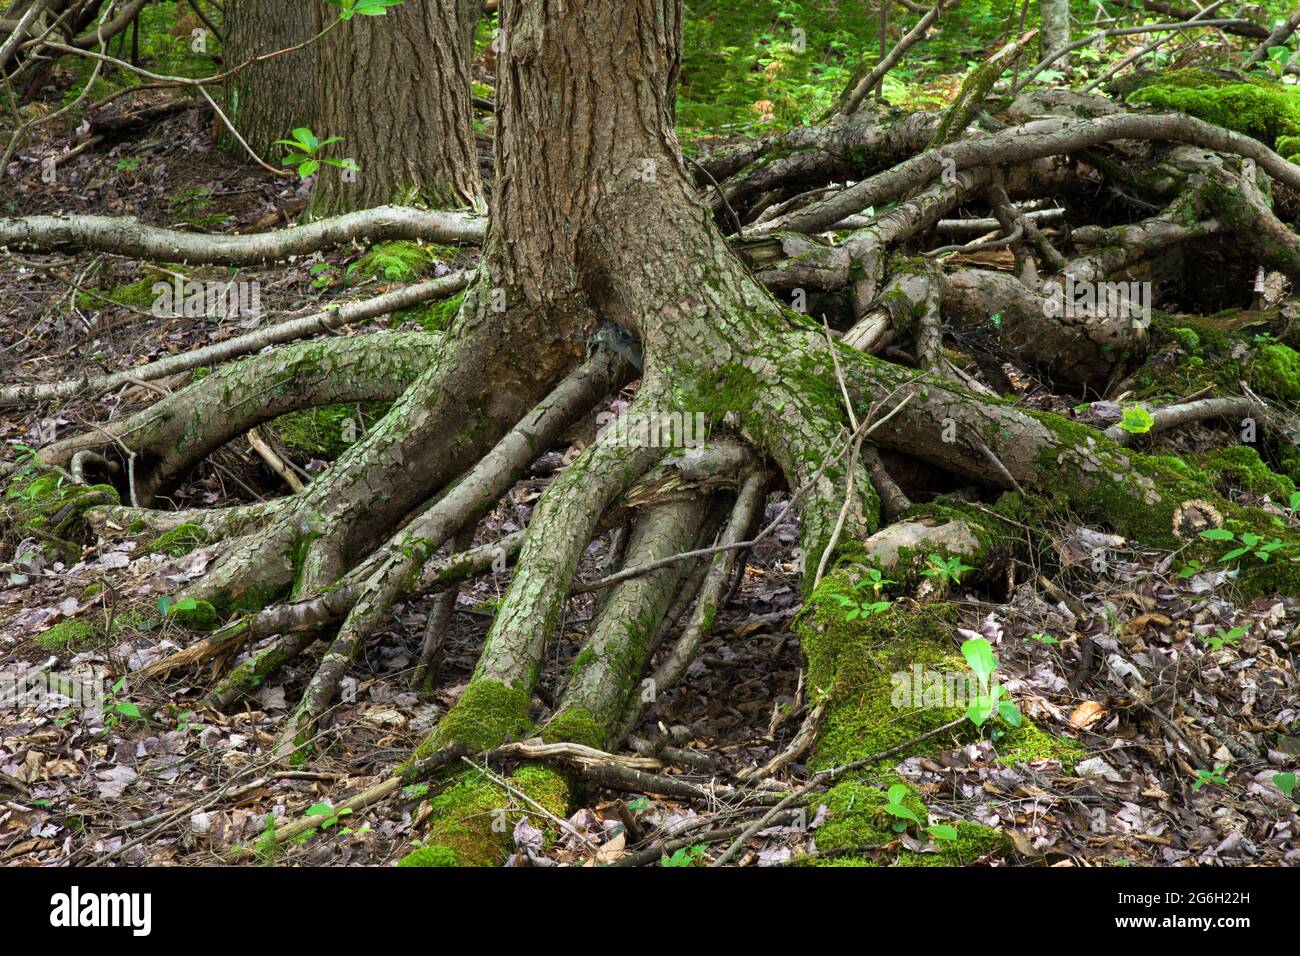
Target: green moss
(202,617)
(855,662)
(430,856)
(1276,372)
(179,541)
(1029,742)
(326,432)
(139,295)
(48,507)
(1240,466)
(433,316)
(1254,107)
(487,714)
(574,725)
(856,817)
(472,821)
(71,635)
(398,261)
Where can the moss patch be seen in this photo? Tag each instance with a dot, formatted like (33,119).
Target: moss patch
(1239,466)
(473,819)
(487,714)
(71,635)
(433,316)
(855,662)
(1276,372)
(327,432)
(1029,742)
(180,541)
(1252,106)
(856,817)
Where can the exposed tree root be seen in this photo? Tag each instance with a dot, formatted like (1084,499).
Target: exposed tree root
(125,237)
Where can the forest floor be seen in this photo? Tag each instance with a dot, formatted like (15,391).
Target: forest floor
(160,779)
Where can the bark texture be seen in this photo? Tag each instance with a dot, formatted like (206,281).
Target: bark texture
(397,89)
(270,98)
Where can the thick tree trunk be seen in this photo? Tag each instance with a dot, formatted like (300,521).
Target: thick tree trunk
(397,90)
(270,98)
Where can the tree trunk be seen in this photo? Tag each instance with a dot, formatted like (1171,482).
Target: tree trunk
(1055,16)
(397,90)
(269,99)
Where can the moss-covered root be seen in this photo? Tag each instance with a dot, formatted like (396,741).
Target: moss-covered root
(856,818)
(610,664)
(473,819)
(858,662)
(912,550)
(46,505)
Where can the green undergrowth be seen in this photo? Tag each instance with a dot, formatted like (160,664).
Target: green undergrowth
(90,632)
(1145,497)
(46,508)
(401,261)
(473,819)
(487,714)
(179,541)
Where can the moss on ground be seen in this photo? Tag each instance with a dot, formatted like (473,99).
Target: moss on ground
(1239,466)
(857,818)
(74,635)
(472,821)
(328,431)
(1029,742)
(433,316)
(46,506)
(179,541)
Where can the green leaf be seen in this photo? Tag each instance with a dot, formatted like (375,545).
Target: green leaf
(979,654)
(980,710)
(320,810)
(1286,783)
(128,709)
(1218,534)
(941,831)
(308,168)
(1009,712)
(896,794)
(1136,420)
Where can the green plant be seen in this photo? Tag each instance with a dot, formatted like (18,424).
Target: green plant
(1286,783)
(363,8)
(940,569)
(686,856)
(1248,544)
(1136,420)
(1042,638)
(1214,776)
(979,654)
(894,807)
(327,813)
(305,153)
(1226,638)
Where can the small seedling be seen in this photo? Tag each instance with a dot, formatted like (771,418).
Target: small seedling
(1211,776)
(1226,638)
(894,807)
(1248,544)
(305,153)
(1042,638)
(940,569)
(979,654)
(686,856)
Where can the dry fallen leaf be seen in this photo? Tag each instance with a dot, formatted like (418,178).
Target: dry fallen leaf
(1086,714)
